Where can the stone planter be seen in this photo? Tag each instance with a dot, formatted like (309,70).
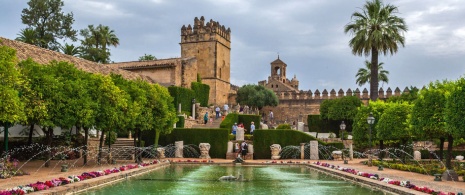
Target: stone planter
(64,168)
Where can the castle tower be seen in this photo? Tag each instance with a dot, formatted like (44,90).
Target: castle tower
(210,44)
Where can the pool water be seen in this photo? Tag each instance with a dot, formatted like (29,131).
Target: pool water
(202,179)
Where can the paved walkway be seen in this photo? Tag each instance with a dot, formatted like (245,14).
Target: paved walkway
(40,173)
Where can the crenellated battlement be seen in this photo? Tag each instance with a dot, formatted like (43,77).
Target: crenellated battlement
(204,32)
(364,95)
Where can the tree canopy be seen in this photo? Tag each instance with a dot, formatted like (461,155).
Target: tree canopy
(46,23)
(376,30)
(256,96)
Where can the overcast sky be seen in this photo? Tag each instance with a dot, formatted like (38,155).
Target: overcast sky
(307,34)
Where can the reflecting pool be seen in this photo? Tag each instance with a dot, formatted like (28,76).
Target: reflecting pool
(204,179)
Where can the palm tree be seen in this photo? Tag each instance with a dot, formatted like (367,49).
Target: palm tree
(364,75)
(376,30)
(71,50)
(96,40)
(28,35)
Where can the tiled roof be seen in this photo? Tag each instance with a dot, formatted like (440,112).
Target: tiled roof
(171,62)
(44,56)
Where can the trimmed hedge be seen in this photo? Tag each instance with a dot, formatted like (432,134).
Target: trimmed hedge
(201,93)
(183,96)
(180,123)
(229,121)
(217,138)
(316,124)
(264,138)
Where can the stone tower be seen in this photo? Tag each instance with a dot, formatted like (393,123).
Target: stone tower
(278,70)
(210,44)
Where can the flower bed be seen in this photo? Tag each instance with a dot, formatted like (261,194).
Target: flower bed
(39,186)
(406,184)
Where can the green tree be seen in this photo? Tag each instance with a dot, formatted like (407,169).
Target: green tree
(46,18)
(164,112)
(409,96)
(360,127)
(428,114)
(28,36)
(344,108)
(376,29)
(394,123)
(11,106)
(364,74)
(454,115)
(147,57)
(96,41)
(256,96)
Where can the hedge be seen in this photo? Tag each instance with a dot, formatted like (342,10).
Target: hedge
(245,119)
(201,93)
(264,138)
(316,124)
(180,123)
(217,138)
(183,96)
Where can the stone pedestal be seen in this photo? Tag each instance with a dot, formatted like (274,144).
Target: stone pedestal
(450,175)
(275,150)
(204,150)
(314,150)
(179,149)
(337,155)
(161,153)
(230,147)
(459,157)
(300,126)
(416,155)
(240,134)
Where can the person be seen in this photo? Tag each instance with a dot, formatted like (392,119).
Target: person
(237,149)
(234,129)
(205,117)
(244,147)
(217,110)
(225,108)
(271,116)
(252,127)
(241,125)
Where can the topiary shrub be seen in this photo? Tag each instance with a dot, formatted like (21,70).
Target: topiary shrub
(180,123)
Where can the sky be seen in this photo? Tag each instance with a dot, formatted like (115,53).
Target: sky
(308,35)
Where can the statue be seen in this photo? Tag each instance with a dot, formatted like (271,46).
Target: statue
(275,150)
(204,149)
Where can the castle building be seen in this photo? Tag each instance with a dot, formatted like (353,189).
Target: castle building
(205,51)
(295,105)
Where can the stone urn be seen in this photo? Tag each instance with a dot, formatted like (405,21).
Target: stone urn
(161,153)
(64,168)
(459,157)
(204,150)
(275,150)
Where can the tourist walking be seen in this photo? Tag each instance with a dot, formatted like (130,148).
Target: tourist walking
(252,127)
(217,110)
(244,148)
(225,109)
(234,129)
(271,116)
(205,117)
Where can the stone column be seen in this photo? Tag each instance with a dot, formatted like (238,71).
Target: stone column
(240,134)
(417,155)
(179,108)
(351,152)
(179,149)
(314,150)
(193,111)
(230,147)
(300,126)
(250,149)
(302,150)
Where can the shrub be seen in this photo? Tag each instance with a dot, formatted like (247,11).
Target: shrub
(283,126)
(201,92)
(180,123)
(182,96)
